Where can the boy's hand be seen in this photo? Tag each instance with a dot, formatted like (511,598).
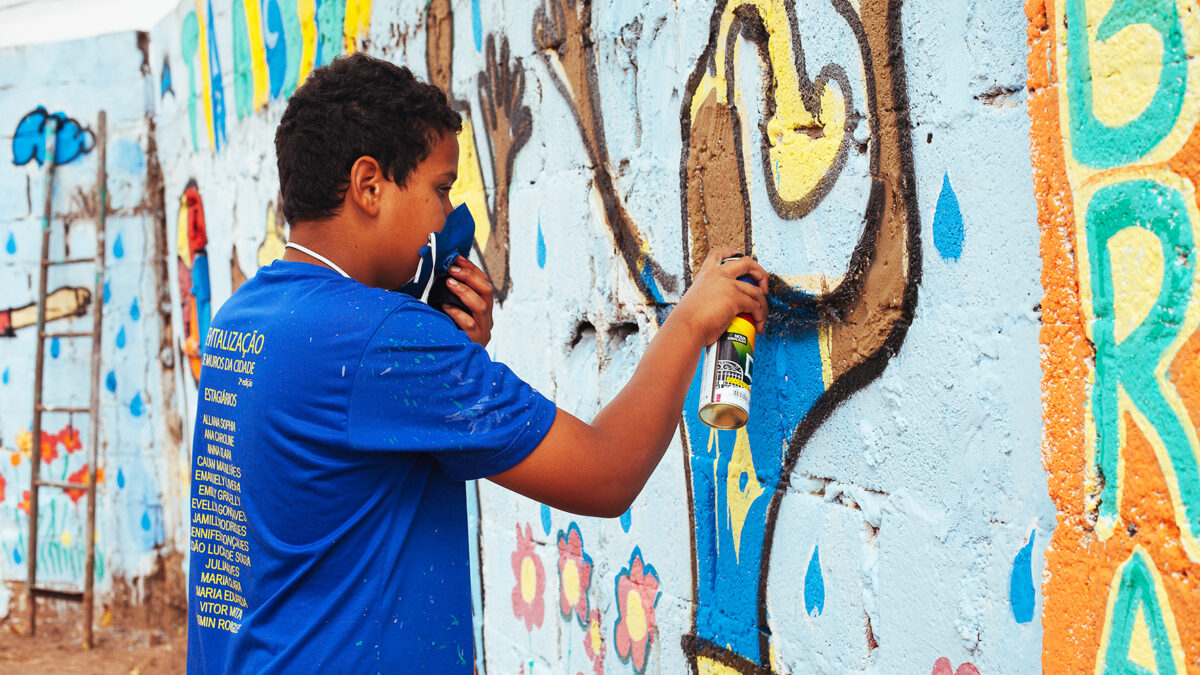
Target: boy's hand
(716,295)
(471,286)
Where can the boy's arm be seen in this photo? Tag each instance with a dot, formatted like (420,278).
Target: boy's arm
(598,469)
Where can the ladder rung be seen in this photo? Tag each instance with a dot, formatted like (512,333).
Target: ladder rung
(67,261)
(75,596)
(57,409)
(65,485)
(77,334)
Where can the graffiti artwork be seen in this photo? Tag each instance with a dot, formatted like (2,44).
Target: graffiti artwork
(195,291)
(830,332)
(29,139)
(62,303)
(1115,165)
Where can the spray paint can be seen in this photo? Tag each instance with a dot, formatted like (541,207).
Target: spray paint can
(726,378)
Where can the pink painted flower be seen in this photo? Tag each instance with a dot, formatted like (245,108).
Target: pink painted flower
(527,600)
(637,595)
(593,642)
(574,575)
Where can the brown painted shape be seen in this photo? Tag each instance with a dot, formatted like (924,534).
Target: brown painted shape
(716,214)
(865,325)
(439,43)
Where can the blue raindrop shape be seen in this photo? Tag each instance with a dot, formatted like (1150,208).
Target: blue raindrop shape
(541,246)
(4,377)
(16,556)
(55,348)
(545,519)
(146,520)
(134,312)
(120,478)
(121,338)
(107,293)
(135,406)
(627,519)
(1020,589)
(477,25)
(119,248)
(814,586)
(110,381)
(948,223)
(11,246)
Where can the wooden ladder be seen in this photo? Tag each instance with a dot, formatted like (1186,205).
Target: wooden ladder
(32,590)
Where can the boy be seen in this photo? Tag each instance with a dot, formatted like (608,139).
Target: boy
(337,419)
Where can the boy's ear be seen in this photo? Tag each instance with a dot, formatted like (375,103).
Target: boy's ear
(366,185)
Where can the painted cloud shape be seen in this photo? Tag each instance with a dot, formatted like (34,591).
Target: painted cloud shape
(29,140)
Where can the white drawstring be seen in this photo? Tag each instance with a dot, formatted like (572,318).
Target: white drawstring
(318,256)
(433,265)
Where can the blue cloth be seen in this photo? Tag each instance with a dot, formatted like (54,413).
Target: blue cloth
(335,425)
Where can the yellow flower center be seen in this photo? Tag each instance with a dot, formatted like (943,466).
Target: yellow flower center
(635,616)
(570,580)
(528,580)
(594,633)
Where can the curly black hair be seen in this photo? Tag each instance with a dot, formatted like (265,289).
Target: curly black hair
(357,106)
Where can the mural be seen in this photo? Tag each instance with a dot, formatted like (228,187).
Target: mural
(1114,108)
(194,289)
(70,142)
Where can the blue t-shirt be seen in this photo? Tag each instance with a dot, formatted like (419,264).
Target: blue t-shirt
(335,425)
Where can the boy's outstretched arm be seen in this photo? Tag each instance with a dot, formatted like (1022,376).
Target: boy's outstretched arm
(598,469)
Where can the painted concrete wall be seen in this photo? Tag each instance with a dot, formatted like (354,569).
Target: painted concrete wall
(972,445)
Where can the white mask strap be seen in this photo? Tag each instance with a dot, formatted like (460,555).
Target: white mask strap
(318,256)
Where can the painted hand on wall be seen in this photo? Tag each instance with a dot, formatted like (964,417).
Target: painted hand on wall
(828,335)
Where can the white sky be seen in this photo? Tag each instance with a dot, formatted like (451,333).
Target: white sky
(34,21)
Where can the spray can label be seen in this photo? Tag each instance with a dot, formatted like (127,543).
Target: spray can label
(727,376)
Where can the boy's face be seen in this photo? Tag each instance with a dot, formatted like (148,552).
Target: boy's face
(410,213)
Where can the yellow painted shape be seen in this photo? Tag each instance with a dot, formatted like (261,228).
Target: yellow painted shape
(181,240)
(528,580)
(258,54)
(708,666)
(635,615)
(205,76)
(801,147)
(273,245)
(1168,617)
(469,188)
(739,500)
(358,22)
(595,636)
(825,343)
(1137,266)
(1105,527)
(1125,72)
(306,11)
(65,538)
(1141,651)
(570,582)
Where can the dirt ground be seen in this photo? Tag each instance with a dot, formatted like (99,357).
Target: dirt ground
(117,651)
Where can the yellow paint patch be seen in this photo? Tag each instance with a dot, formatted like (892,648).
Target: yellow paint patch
(273,245)
(469,188)
(258,53)
(1141,651)
(741,499)
(205,76)
(181,240)
(528,580)
(596,637)
(65,538)
(635,616)
(825,343)
(1137,266)
(358,21)
(708,666)
(1125,72)
(570,582)
(306,12)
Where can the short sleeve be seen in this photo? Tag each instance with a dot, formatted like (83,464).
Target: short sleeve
(423,386)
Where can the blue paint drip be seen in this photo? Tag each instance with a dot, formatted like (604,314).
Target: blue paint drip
(120,478)
(55,348)
(947,223)
(1020,589)
(107,293)
(146,520)
(16,556)
(276,44)
(545,519)
(165,80)
(134,312)
(110,382)
(4,377)
(135,406)
(119,247)
(217,86)
(121,338)
(476,25)
(11,245)
(814,585)
(627,519)
(541,246)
